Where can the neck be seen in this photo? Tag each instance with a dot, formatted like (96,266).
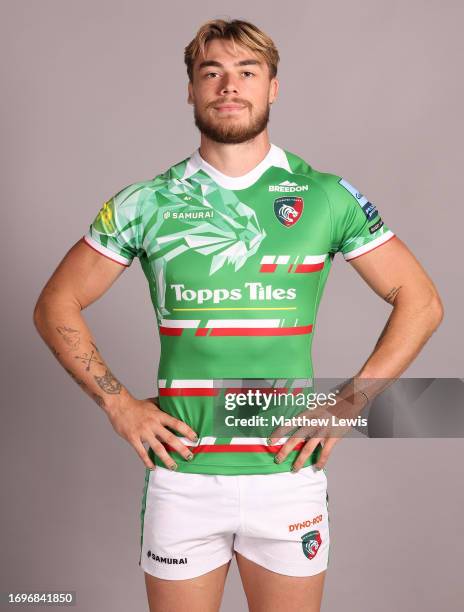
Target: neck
(235,159)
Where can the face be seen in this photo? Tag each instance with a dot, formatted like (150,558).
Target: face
(231,93)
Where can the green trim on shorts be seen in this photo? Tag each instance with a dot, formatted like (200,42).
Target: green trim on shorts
(328,518)
(142,512)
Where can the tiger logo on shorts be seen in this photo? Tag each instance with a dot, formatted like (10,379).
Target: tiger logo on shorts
(311,543)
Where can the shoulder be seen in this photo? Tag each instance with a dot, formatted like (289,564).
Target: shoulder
(328,181)
(338,189)
(133,195)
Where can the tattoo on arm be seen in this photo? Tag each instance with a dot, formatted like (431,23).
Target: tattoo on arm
(108,383)
(71,337)
(98,398)
(390,297)
(88,359)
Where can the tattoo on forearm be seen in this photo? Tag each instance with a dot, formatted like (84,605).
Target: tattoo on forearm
(88,359)
(390,297)
(108,383)
(71,337)
(98,398)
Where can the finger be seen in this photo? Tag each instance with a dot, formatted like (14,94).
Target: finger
(305,453)
(142,453)
(306,431)
(300,436)
(302,433)
(326,450)
(162,453)
(178,425)
(286,448)
(174,443)
(278,433)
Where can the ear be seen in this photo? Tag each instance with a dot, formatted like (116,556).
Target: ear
(273,90)
(190,93)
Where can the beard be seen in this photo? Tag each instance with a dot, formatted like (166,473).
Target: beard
(230,131)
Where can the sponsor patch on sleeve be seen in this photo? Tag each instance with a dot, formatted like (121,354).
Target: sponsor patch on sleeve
(369,209)
(376,226)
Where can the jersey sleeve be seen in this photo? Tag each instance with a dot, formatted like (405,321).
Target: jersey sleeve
(357,227)
(115,231)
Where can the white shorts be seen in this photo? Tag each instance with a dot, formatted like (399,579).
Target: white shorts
(193,523)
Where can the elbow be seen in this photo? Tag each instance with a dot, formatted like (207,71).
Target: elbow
(429,308)
(437,311)
(434,310)
(52,306)
(38,315)
(42,309)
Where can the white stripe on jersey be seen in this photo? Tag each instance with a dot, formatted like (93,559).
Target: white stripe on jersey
(243,323)
(365,248)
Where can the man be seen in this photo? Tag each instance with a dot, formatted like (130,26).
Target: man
(236,242)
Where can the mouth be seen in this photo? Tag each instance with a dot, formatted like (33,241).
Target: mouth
(229,108)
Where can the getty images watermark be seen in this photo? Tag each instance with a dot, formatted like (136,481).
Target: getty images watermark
(265,401)
(305,407)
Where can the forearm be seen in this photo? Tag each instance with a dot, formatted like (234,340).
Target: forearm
(64,330)
(407,330)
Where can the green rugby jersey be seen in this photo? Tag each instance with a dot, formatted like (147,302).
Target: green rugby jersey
(236,267)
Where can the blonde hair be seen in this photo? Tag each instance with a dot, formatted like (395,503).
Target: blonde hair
(239,32)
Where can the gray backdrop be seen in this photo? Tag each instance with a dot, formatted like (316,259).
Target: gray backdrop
(94,98)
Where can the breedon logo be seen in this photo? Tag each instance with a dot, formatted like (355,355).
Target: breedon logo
(288,187)
(288,209)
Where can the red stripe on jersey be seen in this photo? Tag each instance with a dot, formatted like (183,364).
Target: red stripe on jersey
(309,267)
(261,331)
(170,331)
(188,391)
(202,331)
(268,268)
(263,390)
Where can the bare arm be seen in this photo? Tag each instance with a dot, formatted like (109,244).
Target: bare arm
(80,279)
(395,274)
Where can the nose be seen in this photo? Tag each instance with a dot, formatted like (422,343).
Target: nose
(228,84)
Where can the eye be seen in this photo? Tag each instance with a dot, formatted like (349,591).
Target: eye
(248,72)
(207,75)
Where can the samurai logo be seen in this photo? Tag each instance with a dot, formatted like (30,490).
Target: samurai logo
(288,209)
(311,543)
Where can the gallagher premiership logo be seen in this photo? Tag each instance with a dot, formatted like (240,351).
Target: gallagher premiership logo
(311,543)
(288,209)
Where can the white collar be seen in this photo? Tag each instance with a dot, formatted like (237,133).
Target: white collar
(275,157)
